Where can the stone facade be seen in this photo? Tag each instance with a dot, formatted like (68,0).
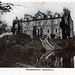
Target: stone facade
(46,25)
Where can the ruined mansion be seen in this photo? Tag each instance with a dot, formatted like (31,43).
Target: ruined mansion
(49,25)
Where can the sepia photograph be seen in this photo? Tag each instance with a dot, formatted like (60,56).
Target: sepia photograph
(37,34)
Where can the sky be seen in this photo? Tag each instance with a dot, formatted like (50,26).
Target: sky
(32,8)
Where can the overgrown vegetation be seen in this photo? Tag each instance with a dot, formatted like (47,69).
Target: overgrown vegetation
(25,50)
(20,49)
